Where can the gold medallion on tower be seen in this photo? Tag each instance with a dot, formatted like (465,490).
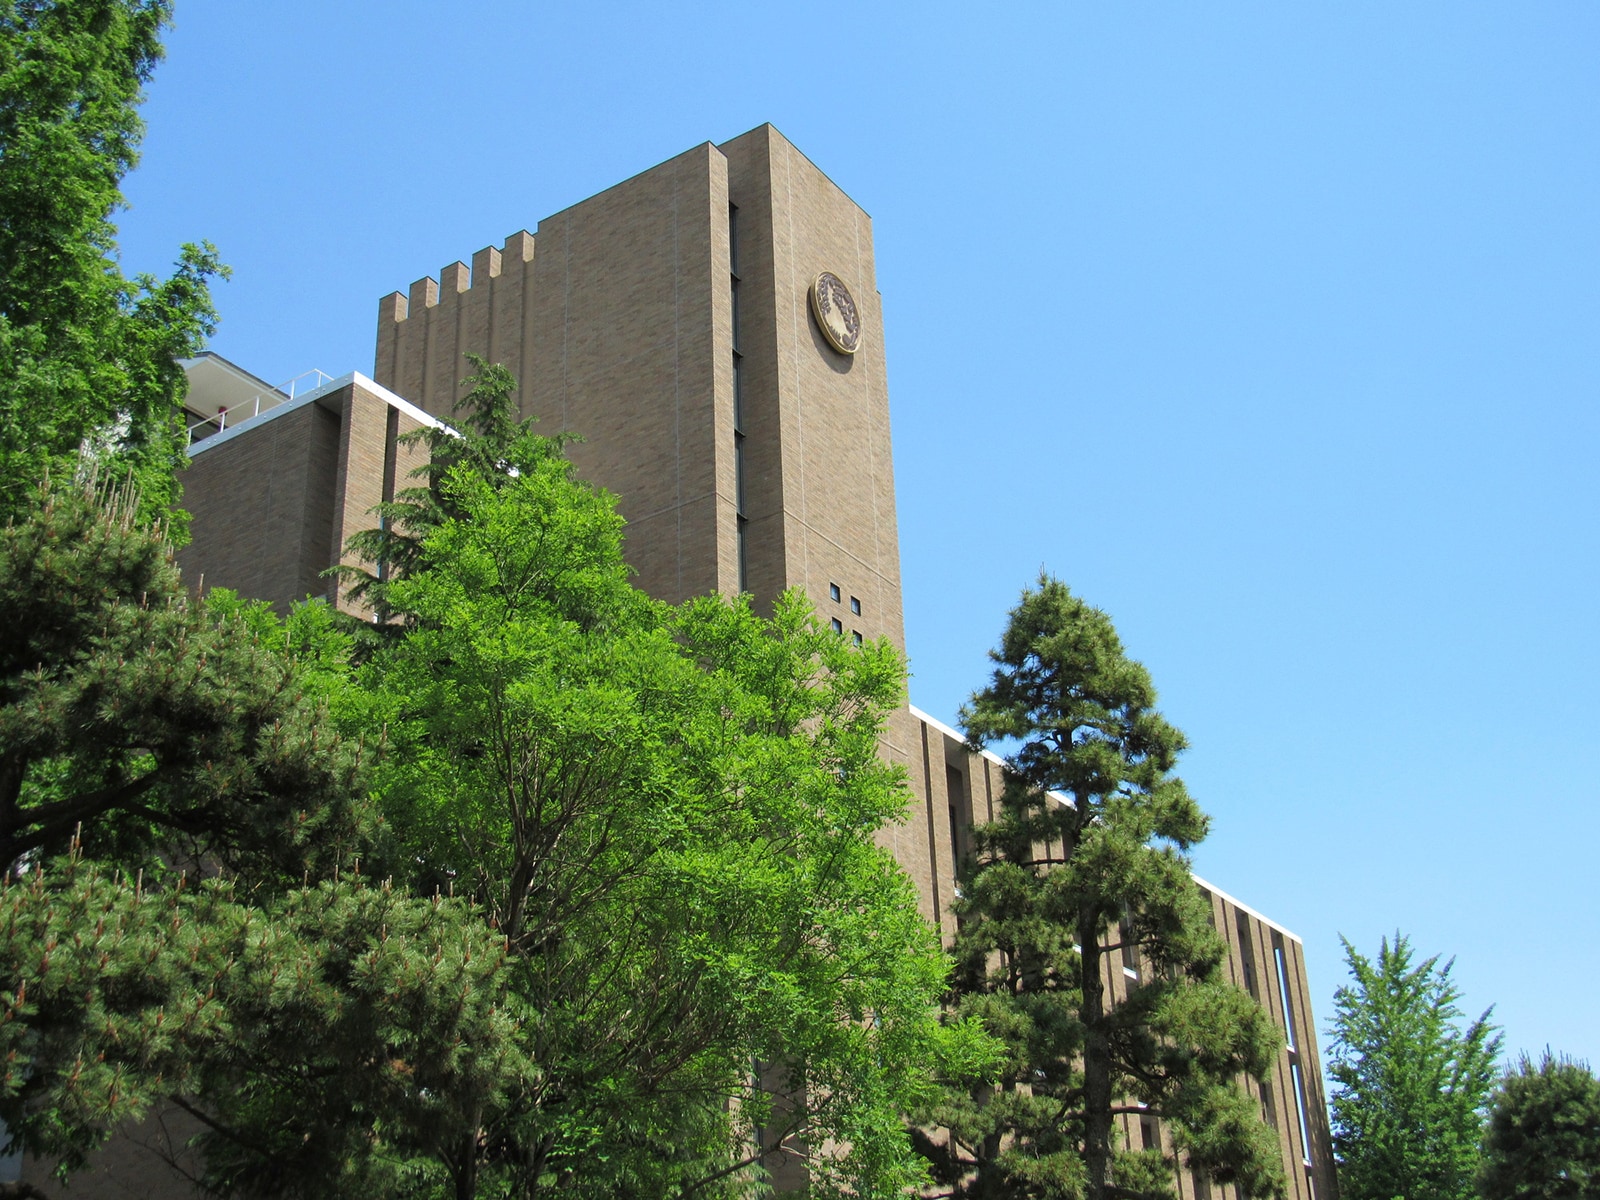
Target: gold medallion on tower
(836,313)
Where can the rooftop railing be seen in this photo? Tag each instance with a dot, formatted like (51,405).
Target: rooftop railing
(306,381)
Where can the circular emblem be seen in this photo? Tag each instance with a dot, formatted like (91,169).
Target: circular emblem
(836,313)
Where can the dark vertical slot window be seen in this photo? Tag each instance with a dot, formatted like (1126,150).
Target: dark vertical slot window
(1149,1134)
(955,786)
(1247,954)
(741,518)
(1269,1110)
(391,453)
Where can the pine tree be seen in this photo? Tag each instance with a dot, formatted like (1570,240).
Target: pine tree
(1542,1141)
(488,439)
(1087,863)
(152,726)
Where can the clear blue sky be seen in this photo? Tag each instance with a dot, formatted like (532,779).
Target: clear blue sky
(1272,329)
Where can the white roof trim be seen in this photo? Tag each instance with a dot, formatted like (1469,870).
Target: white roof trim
(926,719)
(333,385)
(1210,887)
(1240,904)
(988,754)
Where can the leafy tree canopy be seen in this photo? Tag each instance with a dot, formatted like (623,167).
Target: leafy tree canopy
(1085,861)
(670,815)
(87,356)
(1542,1141)
(1410,1083)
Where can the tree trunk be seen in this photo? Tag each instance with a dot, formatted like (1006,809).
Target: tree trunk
(1096,1061)
(467,1176)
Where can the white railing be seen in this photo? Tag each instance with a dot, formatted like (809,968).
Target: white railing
(306,381)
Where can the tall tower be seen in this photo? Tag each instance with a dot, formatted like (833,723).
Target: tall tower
(669,322)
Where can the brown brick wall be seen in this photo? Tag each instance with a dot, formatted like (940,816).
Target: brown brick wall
(819,457)
(262,508)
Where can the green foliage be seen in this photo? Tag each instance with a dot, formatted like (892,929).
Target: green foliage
(345,1000)
(670,816)
(489,440)
(1542,1141)
(639,933)
(87,357)
(1048,884)
(1410,1085)
(156,724)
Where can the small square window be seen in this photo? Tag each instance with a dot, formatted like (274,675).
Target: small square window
(855,606)
(833,592)
(855,636)
(838,625)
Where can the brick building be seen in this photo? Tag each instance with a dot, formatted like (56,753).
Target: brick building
(734,397)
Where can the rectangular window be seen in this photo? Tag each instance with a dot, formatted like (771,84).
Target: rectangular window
(1283,990)
(1247,954)
(833,592)
(1300,1111)
(855,606)
(855,636)
(838,625)
(1149,1133)
(744,571)
(1269,1110)
(955,788)
(1130,949)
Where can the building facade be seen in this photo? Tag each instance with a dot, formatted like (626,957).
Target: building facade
(712,329)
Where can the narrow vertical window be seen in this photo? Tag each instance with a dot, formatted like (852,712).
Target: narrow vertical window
(1149,1133)
(1247,954)
(1300,1110)
(1283,991)
(1130,948)
(955,788)
(741,518)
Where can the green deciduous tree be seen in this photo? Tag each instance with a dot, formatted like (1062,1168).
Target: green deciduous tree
(670,816)
(1542,1141)
(1410,1083)
(1056,888)
(86,355)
